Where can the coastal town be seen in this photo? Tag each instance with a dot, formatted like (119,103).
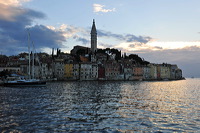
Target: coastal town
(84,63)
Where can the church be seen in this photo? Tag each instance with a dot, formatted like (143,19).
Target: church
(93,40)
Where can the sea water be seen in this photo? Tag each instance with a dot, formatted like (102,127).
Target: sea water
(102,106)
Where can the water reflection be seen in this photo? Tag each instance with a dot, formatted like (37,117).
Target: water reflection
(165,106)
(91,104)
(102,107)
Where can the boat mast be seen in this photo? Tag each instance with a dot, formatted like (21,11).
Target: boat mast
(33,74)
(29,56)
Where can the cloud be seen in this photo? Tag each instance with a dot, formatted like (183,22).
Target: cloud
(100,8)
(157,47)
(138,45)
(72,32)
(68,30)
(135,45)
(45,37)
(12,2)
(126,37)
(14,21)
(81,39)
(104,45)
(11,8)
(133,38)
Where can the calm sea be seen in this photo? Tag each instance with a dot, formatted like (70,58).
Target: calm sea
(92,106)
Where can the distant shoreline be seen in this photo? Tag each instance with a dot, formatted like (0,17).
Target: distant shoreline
(2,83)
(118,80)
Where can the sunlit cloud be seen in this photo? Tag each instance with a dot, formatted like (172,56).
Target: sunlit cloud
(11,8)
(173,45)
(8,13)
(100,8)
(13,2)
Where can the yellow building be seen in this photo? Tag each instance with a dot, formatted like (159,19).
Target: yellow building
(68,71)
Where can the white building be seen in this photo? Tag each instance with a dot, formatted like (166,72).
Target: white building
(76,71)
(58,69)
(146,72)
(88,71)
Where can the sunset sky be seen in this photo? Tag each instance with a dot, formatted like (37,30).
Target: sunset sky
(157,30)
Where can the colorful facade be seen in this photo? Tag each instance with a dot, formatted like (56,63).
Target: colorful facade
(68,71)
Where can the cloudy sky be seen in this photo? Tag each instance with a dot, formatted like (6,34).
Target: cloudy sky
(157,30)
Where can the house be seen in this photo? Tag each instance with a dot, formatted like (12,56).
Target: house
(10,69)
(80,49)
(164,71)
(58,69)
(68,71)
(153,71)
(88,71)
(178,74)
(128,70)
(101,72)
(146,72)
(137,73)
(113,70)
(76,71)
(173,69)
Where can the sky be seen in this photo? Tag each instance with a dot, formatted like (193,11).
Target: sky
(160,31)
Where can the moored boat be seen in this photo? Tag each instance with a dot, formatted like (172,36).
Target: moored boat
(31,82)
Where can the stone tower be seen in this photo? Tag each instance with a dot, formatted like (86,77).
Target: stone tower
(93,38)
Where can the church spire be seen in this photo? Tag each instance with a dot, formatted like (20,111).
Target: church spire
(93,37)
(93,27)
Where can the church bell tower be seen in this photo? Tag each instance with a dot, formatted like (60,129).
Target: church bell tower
(93,38)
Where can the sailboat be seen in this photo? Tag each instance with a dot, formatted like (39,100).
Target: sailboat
(30,81)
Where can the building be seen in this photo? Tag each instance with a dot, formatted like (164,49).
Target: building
(128,70)
(58,69)
(113,70)
(93,38)
(101,72)
(173,69)
(76,71)
(88,71)
(80,50)
(10,69)
(146,73)
(101,57)
(178,74)
(137,72)
(163,71)
(153,71)
(68,71)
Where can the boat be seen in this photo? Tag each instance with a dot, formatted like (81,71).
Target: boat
(25,83)
(30,81)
